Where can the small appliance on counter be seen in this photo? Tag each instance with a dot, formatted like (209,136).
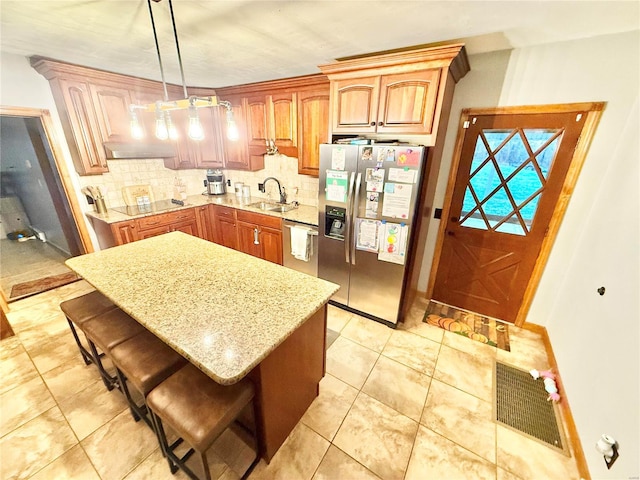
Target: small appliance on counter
(215,182)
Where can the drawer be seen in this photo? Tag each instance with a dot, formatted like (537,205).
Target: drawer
(224,211)
(155,221)
(259,219)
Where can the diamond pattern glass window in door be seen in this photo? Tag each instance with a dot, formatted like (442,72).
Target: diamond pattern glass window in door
(507,178)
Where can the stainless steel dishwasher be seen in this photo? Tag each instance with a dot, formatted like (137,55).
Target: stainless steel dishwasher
(288,260)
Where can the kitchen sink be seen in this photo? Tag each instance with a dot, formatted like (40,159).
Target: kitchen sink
(273,207)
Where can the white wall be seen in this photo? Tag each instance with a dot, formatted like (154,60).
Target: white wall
(595,339)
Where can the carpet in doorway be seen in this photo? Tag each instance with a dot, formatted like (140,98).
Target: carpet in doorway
(42,284)
(521,403)
(468,324)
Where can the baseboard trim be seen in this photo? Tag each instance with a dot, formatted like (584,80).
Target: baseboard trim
(581,461)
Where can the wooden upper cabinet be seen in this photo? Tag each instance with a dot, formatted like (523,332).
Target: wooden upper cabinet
(80,125)
(404,92)
(407,102)
(313,128)
(402,103)
(112,109)
(355,105)
(274,110)
(238,156)
(272,117)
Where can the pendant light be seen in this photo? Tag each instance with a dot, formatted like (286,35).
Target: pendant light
(165,129)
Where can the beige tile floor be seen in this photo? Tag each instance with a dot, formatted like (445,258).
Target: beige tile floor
(411,403)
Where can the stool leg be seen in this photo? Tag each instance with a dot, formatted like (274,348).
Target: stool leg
(109,381)
(162,440)
(135,412)
(86,356)
(205,465)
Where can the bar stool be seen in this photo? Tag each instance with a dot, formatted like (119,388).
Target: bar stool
(198,410)
(145,361)
(80,309)
(105,331)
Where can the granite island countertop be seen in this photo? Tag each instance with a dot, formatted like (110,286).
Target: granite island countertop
(225,323)
(303,214)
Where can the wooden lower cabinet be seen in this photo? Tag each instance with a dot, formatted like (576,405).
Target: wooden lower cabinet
(260,236)
(248,232)
(224,226)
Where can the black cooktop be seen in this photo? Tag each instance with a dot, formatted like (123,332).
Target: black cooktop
(153,207)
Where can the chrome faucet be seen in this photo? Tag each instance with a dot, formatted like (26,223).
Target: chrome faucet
(281,190)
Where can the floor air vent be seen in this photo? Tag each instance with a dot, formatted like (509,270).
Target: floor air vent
(521,403)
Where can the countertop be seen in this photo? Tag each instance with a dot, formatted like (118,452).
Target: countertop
(303,214)
(223,310)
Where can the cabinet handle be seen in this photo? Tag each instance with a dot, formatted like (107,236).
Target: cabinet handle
(256,241)
(373,124)
(380,124)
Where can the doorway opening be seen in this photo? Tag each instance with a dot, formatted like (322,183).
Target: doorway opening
(513,172)
(38,228)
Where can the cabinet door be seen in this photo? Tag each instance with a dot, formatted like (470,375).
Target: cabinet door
(408,102)
(147,120)
(313,129)
(210,152)
(283,122)
(124,232)
(224,220)
(355,105)
(112,108)
(81,128)
(184,158)
(271,244)
(238,157)
(249,239)
(257,112)
(204,220)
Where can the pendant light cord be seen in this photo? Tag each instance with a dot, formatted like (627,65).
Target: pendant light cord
(155,36)
(175,34)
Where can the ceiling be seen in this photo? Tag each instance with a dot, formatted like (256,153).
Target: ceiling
(235,42)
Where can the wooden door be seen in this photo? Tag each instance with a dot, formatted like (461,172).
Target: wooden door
(283,121)
(355,105)
(507,191)
(83,134)
(225,231)
(313,129)
(408,102)
(249,239)
(271,243)
(112,108)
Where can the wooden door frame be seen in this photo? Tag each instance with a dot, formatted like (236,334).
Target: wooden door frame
(594,112)
(60,165)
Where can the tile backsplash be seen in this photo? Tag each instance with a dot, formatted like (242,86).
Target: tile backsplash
(301,188)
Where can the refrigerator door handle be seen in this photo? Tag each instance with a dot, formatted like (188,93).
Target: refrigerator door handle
(347,240)
(356,206)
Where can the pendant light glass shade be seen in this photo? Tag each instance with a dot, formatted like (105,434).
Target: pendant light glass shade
(162,132)
(171,128)
(136,129)
(232,128)
(196,132)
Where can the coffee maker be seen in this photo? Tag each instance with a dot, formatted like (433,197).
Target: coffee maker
(215,182)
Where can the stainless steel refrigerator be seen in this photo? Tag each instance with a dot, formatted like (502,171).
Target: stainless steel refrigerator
(367,203)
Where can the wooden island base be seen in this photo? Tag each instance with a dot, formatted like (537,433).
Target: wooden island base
(287,381)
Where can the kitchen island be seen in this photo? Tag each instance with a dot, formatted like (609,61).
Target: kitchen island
(228,313)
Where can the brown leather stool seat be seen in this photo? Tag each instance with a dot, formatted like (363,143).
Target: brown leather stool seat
(105,331)
(145,361)
(198,410)
(80,309)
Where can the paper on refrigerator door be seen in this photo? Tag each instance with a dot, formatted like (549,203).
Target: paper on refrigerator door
(393,242)
(404,175)
(397,200)
(338,157)
(336,186)
(367,236)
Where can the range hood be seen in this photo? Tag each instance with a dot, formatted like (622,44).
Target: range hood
(115,150)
